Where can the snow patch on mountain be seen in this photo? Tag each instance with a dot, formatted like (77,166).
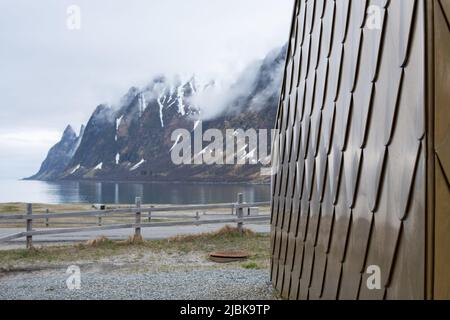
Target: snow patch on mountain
(137,165)
(161,106)
(118,122)
(142,104)
(180,95)
(99,166)
(75,169)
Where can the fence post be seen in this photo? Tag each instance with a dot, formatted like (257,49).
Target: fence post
(240,213)
(47,223)
(137,230)
(29,225)
(150,215)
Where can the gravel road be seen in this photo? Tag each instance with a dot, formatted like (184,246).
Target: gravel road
(216,284)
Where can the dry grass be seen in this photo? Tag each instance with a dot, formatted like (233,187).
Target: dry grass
(226,231)
(39,208)
(134,240)
(97,241)
(17,207)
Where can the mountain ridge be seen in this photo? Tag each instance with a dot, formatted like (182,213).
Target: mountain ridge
(132,141)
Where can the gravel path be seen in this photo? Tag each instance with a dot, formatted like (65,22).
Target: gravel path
(217,284)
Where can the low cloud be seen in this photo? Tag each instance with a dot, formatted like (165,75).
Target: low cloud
(52,76)
(23,150)
(229,95)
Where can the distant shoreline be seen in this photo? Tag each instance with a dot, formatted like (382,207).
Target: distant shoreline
(156,182)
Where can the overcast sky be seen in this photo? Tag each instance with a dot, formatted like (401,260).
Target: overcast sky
(51,76)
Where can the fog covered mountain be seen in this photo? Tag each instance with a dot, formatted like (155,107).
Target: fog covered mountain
(131,141)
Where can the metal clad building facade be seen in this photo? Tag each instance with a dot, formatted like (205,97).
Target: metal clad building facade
(364,161)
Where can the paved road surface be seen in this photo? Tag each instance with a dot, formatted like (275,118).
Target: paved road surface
(153,233)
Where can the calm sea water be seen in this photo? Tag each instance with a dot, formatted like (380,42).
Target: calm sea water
(125,193)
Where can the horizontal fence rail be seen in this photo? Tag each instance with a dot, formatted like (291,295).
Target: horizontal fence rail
(139,217)
(106,213)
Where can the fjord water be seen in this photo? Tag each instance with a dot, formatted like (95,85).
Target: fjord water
(125,193)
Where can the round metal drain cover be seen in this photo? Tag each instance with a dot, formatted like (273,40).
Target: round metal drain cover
(228,256)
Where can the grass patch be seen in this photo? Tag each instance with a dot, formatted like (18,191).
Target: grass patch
(17,207)
(10,208)
(251,265)
(225,239)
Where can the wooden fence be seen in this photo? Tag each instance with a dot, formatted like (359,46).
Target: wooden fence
(138,212)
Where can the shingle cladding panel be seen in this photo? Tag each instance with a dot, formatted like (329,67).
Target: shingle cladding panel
(442,146)
(352,182)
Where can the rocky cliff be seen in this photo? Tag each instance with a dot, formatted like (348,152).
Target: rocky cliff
(131,141)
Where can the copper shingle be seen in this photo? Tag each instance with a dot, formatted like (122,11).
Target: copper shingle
(364,126)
